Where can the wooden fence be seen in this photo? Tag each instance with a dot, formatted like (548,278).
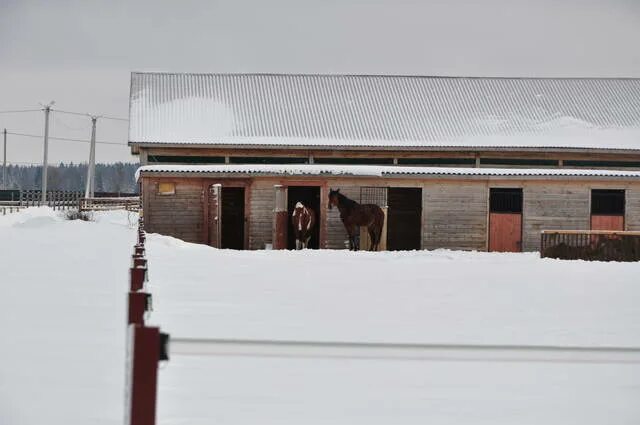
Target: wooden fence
(590,245)
(130,203)
(56,199)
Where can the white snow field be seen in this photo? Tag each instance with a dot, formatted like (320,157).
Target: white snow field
(62,316)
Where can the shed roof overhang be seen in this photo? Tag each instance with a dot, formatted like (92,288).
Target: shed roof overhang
(391,172)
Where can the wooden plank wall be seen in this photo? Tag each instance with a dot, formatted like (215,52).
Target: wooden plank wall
(455,215)
(261,207)
(178,215)
(553,206)
(632,208)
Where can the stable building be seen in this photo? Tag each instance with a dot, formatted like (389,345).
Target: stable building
(461,163)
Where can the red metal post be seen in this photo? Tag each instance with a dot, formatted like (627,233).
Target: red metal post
(142,361)
(137,277)
(139,261)
(280,218)
(138,302)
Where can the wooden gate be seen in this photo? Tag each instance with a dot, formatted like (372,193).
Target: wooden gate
(505,220)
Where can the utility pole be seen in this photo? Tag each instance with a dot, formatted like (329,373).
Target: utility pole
(4,161)
(45,160)
(90,188)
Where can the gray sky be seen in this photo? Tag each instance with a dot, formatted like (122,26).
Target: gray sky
(80,53)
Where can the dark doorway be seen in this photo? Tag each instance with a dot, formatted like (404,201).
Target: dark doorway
(232,234)
(404,218)
(505,220)
(310,197)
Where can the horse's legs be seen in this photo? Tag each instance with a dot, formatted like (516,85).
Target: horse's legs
(306,242)
(297,244)
(353,243)
(374,241)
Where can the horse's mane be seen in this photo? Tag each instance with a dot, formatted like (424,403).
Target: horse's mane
(349,203)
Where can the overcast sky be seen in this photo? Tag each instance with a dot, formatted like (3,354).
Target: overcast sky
(80,53)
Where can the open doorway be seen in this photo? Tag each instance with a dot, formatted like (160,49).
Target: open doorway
(404,219)
(232,232)
(310,197)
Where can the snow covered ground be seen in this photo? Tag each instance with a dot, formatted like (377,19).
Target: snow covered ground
(62,314)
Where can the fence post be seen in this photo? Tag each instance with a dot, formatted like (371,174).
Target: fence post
(146,349)
(215,211)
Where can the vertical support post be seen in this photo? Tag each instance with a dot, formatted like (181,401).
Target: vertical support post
(4,161)
(280,218)
(138,302)
(90,186)
(215,214)
(142,374)
(45,159)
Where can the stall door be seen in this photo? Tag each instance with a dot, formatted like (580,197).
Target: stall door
(404,227)
(232,225)
(505,220)
(607,209)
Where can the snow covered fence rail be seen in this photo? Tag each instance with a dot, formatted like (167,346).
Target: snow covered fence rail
(10,207)
(129,203)
(591,245)
(395,351)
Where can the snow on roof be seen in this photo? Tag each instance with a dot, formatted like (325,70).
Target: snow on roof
(378,171)
(384,111)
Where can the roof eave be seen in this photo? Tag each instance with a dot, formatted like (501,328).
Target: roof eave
(135,148)
(447,176)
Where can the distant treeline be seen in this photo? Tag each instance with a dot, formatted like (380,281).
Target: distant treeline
(117,177)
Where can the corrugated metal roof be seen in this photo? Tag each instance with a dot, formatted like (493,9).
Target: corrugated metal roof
(379,171)
(350,110)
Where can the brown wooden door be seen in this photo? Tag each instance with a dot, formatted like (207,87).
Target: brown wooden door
(607,222)
(505,232)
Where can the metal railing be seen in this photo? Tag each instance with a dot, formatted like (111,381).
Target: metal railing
(594,245)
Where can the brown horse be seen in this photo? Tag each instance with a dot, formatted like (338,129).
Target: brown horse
(355,215)
(303,219)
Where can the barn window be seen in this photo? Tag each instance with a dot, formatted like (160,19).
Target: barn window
(166,188)
(437,161)
(519,162)
(607,202)
(503,200)
(268,160)
(176,159)
(609,164)
(354,161)
(374,195)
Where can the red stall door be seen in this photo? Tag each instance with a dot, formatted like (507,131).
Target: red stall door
(505,232)
(607,222)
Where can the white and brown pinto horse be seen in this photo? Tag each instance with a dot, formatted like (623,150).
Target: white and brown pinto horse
(303,219)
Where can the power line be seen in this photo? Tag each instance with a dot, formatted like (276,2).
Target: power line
(89,115)
(36,136)
(20,110)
